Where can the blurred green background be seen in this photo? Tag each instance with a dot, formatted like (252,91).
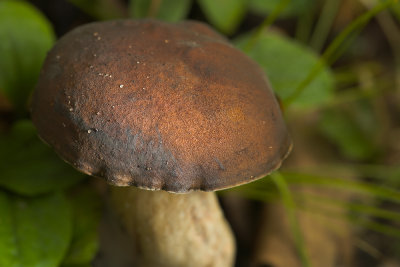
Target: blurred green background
(334,65)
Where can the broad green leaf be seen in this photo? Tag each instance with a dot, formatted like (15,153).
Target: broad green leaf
(26,36)
(86,207)
(225,15)
(168,10)
(353,135)
(34,232)
(293,8)
(29,167)
(100,9)
(287,63)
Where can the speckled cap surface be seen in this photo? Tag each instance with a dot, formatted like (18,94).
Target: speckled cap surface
(159,106)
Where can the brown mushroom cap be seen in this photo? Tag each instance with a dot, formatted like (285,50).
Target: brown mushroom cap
(159,106)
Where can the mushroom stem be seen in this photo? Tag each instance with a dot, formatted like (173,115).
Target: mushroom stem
(175,229)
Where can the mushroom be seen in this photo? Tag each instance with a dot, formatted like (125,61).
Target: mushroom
(160,106)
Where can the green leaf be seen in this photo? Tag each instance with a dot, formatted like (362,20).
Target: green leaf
(34,232)
(225,15)
(287,63)
(100,9)
(294,7)
(168,10)
(87,208)
(29,167)
(26,36)
(352,134)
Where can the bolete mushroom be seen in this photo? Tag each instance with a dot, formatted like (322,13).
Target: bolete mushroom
(162,106)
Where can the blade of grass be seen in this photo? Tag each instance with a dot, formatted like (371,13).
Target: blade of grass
(288,200)
(290,207)
(305,24)
(352,94)
(338,46)
(361,209)
(384,173)
(364,223)
(346,75)
(396,12)
(265,24)
(316,201)
(324,23)
(355,186)
(389,174)
(377,227)
(368,248)
(390,29)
